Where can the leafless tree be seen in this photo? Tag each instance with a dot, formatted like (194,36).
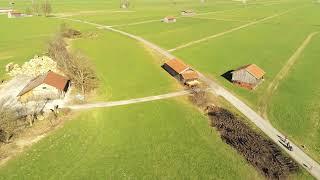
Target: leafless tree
(81,72)
(36,8)
(57,51)
(74,64)
(46,8)
(8,120)
(28,11)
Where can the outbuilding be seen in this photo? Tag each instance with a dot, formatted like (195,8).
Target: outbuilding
(180,70)
(248,76)
(169,19)
(46,86)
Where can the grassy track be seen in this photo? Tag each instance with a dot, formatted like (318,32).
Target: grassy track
(295,108)
(269,45)
(166,139)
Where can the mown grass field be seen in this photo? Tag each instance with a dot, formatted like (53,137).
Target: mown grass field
(295,107)
(167,139)
(126,68)
(163,139)
(268,44)
(21,39)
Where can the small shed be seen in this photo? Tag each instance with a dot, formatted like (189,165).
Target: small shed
(46,86)
(248,76)
(175,67)
(169,19)
(180,70)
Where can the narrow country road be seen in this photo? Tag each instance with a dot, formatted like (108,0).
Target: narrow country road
(126,102)
(297,154)
(263,102)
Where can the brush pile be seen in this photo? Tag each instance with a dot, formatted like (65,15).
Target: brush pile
(262,153)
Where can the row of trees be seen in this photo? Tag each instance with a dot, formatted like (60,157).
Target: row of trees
(39,8)
(74,64)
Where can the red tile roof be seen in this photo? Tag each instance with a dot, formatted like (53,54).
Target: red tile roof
(170,17)
(49,78)
(56,80)
(177,65)
(254,70)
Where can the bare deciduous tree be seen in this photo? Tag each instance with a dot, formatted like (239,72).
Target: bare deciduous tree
(36,8)
(81,72)
(8,119)
(57,51)
(74,64)
(46,8)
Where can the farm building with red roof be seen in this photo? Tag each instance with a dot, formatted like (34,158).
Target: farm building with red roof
(46,86)
(180,70)
(248,76)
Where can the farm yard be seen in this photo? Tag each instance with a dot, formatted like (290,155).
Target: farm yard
(170,139)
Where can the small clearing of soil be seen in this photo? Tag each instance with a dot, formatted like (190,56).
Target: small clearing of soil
(262,153)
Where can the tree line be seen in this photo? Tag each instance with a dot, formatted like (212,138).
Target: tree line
(74,64)
(40,8)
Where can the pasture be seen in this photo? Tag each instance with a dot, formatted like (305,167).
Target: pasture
(126,69)
(168,139)
(268,43)
(296,91)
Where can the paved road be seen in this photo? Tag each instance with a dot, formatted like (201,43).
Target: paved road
(303,159)
(297,154)
(130,101)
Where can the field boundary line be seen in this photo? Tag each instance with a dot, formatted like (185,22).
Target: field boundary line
(219,19)
(263,103)
(230,30)
(155,20)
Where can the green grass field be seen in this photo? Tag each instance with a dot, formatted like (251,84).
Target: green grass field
(21,39)
(164,139)
(126,69)
(295,108)
(168,139)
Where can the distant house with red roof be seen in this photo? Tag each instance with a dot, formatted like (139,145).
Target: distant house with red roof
(46,86)
(169,19)
(248,76)
(13,14)
(180,70)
